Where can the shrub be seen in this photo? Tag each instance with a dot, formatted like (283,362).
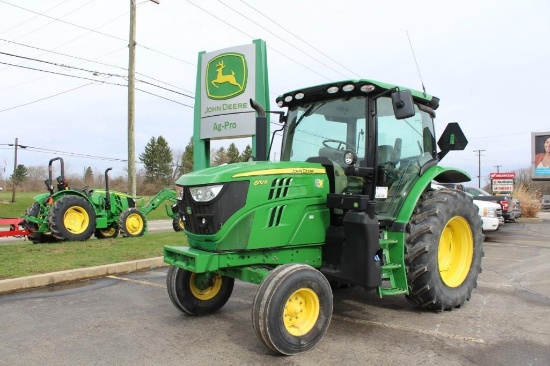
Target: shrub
(529,204)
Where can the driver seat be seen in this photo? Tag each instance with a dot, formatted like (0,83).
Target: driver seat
(331,153)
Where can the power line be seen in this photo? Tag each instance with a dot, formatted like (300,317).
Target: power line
(36,16)
(280,38)
(56,64)
(96,62)
(69,153)
(64,15)
(171,100)
(95,30)
(63,21)
(59,73)
(51,96)
(248,35)
(94,72)
(300,39)
(85,78)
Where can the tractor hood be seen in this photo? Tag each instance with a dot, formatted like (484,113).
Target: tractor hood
(246,171)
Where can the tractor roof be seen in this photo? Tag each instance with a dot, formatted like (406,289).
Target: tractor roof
(346,89)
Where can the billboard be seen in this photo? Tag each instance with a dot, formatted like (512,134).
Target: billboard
(540,155)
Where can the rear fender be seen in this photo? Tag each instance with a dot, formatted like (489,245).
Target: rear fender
(437,173)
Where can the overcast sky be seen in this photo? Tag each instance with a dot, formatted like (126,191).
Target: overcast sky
(488,62)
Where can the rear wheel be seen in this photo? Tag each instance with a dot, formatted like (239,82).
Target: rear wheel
(198,293)
(132,223)
(177,224)
(444,250)
(107,233)
(292,309)
(72,218)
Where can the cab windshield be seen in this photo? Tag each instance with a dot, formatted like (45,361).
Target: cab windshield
(328,129)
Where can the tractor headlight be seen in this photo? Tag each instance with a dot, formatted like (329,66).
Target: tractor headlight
(350,158)
(205,193)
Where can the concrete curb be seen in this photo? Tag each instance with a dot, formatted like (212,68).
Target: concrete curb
(41,280)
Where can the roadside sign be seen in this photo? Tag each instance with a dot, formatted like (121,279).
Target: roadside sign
(502,182)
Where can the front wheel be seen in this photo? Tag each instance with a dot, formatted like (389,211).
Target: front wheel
(292,309)
(443,250)
(36,237)
(106,233)
(198,293)
(132,223)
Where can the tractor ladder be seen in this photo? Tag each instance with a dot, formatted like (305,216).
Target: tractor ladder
(394,277)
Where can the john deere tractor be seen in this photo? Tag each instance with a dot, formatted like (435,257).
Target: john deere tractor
(349,203)
(70,214)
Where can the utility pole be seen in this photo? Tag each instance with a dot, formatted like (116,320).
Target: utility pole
(498,166)
(14,176)
(478,167)
(131,100)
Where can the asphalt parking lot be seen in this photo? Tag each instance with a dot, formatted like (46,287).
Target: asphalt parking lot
(129,319)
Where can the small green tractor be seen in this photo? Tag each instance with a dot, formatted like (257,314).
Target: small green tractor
(75,215)
(350,203)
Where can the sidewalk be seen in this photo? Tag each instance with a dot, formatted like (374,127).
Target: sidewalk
(47,279)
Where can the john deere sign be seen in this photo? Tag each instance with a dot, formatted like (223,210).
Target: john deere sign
(226,81)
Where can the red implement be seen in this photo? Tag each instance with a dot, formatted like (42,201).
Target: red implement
(15,227)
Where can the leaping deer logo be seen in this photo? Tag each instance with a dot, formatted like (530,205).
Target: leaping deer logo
(221,78)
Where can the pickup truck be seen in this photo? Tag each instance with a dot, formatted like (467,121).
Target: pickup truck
(490,212)
(510,207)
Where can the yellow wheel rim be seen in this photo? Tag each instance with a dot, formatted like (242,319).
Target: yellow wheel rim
(76,219)
(205,288)
(456,251)
(108,232)
(301,311)
(134,223)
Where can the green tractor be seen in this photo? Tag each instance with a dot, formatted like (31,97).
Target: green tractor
(350,203)
(75,215)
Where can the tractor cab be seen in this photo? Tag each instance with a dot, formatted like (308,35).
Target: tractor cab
(372,139)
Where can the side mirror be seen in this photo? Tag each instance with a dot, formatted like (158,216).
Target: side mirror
(451,139)
(403,106)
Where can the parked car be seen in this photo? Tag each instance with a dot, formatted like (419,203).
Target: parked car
(490,212)
(510,206)
(545,203)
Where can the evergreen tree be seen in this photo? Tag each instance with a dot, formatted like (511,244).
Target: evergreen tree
(186,165)
(233,155)
(157,160)
(220,157)
(20,174)
(246,154)
(88,177)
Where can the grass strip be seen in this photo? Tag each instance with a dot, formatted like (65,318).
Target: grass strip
(25,258)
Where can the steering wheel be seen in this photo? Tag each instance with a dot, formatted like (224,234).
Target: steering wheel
(340,145)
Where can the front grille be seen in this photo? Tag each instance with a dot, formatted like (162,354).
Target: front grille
(207,218)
